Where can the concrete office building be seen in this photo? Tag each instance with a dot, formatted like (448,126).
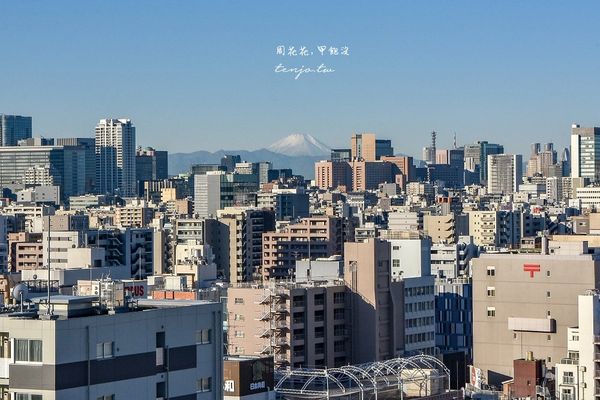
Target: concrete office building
(115,157)
(157,349)
(365,147)
(548,284)
(14,128)
(505,173)
(151,164)
(287,203)
(367,175)
(410,257)
(454,315)
(62,166)
(332,174)
(585,152)
(399,314)
(216,190)
(229,160)
(89,147)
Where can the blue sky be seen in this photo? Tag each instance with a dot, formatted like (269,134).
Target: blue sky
(198,75)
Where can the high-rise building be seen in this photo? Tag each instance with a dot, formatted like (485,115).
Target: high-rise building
(241,238)
(62,166)
(396,324)
(341,155)
(585,152)
(488,149)
(332,174)
(505,173)
(89,146)
(14,128)
(366,147)
(216,190)
(115,157)
(151,164)
(229,160)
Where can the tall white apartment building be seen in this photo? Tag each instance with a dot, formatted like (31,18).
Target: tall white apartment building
(585,152)
(505,173)
(115,157)
(578,374)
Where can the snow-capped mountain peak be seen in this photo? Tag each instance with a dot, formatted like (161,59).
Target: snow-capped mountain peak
(299,144)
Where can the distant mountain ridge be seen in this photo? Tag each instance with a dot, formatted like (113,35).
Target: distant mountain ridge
(296,151)
(302,165)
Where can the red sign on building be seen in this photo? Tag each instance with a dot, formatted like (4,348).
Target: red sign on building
(531,268)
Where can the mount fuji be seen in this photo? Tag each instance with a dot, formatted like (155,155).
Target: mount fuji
(296,151)
(299,144)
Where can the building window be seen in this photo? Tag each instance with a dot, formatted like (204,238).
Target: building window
(239,334)
(203,336)
(239,300)
(27,396)
(549,337)
(338,298)
(548,294)
(104,349)
(339,313)
(547,273)
(161,390)
(568,378)
(491,271)
(28,350)
(204,384)
(491,311)
(491,291)
(107,397)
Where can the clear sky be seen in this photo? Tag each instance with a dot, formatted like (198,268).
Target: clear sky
(199,75)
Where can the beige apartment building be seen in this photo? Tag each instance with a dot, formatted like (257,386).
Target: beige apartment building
(330,322)
(526,302)
(137,214)
(299,324)
(241,236)
(441,228)
(333,174)
(313,237)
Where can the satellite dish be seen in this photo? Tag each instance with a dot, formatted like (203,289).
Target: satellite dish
(20,290)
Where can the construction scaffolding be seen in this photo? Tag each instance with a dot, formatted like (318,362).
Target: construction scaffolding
(398,378)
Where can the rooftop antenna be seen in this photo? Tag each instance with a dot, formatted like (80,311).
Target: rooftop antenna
(454,140)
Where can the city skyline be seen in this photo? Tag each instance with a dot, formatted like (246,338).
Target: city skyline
(498,72)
